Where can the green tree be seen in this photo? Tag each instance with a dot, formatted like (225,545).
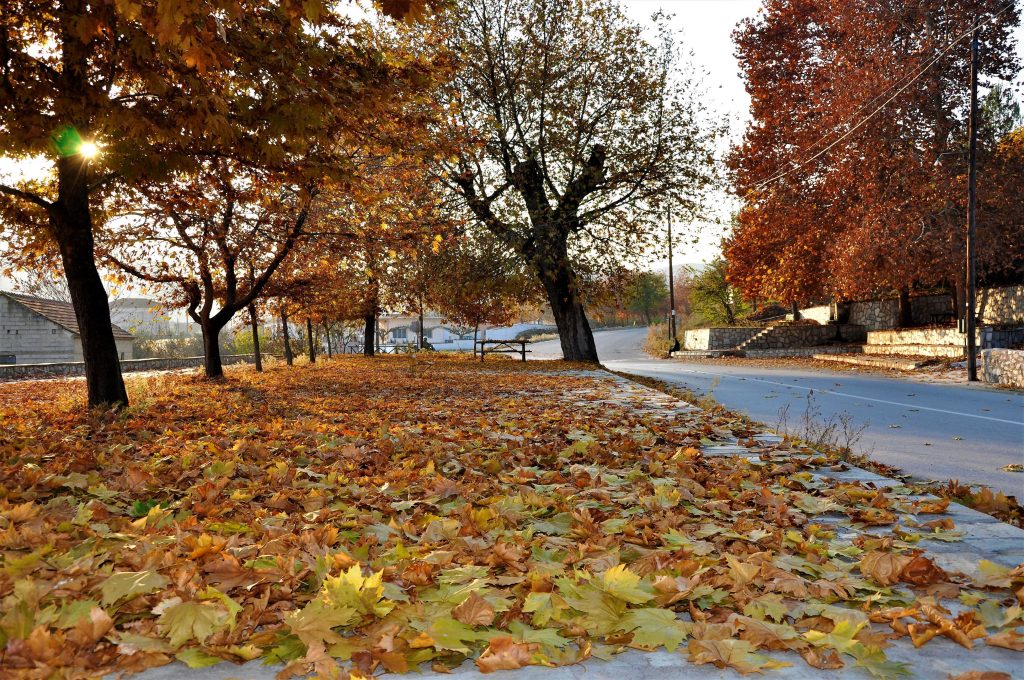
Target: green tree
(584,128)
(648,296)
(711,295)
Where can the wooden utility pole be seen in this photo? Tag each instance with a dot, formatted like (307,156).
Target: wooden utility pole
(673,338)
(972,200)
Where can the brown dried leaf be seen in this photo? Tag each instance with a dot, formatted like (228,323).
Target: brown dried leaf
(474,611)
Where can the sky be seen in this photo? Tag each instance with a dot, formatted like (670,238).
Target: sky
(705,28)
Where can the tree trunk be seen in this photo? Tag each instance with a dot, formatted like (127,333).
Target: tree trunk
(904,318)
(211,350)
(369,333)
(421,323)
(574,332)
(71,224)
(796,311)
(327,333)
(254,322)
(310,340)
(476,329)
(288,356)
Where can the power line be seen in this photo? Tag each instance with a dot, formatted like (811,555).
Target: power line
(864,120)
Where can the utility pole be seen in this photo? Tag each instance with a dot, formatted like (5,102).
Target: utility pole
(972,201)
(673,339)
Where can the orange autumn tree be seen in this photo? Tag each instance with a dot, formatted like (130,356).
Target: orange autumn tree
(110,92)
(836,207)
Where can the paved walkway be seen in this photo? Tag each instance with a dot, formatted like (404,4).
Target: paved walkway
(983,538)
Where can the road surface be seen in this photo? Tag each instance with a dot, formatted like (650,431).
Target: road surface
(932,431)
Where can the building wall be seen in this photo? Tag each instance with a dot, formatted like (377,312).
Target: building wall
(33,339)
(125,349)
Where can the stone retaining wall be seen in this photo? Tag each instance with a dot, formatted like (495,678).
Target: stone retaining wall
(1001,305)
(718,338)
(917,336)
(800,351)
(996,305)
(782,337)
(1003,367)
(881,314)
(76,368)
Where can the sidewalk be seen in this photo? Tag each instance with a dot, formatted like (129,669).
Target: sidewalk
(899,521)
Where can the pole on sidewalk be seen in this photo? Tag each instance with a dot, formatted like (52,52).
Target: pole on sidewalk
(972,201)
(673,339)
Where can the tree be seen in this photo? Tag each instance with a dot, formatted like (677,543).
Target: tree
(840,205)
(113,91)
(648,296)
(479,282)
(711,295)
(582,127)
(218,235)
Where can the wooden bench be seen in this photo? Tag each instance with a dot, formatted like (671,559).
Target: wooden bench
(504,347)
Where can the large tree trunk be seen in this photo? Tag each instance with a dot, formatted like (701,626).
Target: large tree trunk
(310,340)
(211,350)
(904,318)
(254,322)
(574,332)
(288,356)
(71,223)
(369,333)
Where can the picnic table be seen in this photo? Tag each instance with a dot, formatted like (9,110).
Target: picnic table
(503,347)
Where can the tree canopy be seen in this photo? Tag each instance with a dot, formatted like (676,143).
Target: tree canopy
(853,170)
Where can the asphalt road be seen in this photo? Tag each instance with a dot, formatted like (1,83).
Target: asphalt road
(932,431)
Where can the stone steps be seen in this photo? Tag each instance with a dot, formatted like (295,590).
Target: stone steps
(900,363)
(916,350)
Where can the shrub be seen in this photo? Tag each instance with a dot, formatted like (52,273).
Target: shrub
(657,343)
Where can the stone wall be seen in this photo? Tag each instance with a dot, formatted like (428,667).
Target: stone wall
(800,335)
(1003,367)
(718,338)
(997,305)
(77,368)
(917,336)
(883,314)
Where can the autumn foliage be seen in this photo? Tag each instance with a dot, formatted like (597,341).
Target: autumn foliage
(385,513)
(853,170)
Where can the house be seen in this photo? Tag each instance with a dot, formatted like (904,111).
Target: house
(34,330)
(403,329)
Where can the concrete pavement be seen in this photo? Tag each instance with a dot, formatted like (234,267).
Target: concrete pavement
(932,431)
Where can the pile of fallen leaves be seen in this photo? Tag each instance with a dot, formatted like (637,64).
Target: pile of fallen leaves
(383,514)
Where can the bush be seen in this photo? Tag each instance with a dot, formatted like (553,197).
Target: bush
(657,343)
